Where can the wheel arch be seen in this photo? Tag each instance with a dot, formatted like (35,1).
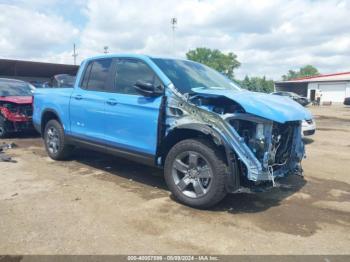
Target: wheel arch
(187,131)
(46,116)
(195,130)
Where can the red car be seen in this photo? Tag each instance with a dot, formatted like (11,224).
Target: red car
(16,106)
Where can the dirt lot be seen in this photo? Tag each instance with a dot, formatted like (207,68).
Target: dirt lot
(97,204)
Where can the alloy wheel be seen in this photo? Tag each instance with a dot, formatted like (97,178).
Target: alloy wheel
(52,140)
(192,174)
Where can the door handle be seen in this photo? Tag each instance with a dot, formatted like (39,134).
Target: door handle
(112,102)
(78,97)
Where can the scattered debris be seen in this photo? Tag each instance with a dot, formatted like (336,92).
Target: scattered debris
(5,146)
(15,194)
(6,158)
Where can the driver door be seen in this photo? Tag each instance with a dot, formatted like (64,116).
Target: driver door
(131,118)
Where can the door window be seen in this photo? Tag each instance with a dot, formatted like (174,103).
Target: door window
(128,72)
(96,75)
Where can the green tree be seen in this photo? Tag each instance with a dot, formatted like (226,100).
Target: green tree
(214,58)
(305,71)
(257,84)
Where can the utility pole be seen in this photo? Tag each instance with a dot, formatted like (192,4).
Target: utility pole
(105,49)
(74,54)
(173,22)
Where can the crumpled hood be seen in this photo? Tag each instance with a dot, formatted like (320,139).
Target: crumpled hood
(17,99)
(273,107)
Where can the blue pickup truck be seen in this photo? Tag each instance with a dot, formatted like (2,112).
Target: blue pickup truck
(210,136)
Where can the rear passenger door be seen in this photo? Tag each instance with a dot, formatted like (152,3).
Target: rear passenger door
(88,101)
(131,118)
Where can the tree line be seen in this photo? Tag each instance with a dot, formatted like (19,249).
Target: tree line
(227,63)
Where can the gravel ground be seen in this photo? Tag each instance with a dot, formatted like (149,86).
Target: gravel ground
(98,204)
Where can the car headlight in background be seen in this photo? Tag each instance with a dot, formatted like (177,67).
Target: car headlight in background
(308,122)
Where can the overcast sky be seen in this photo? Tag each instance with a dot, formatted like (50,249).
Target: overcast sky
(269,37)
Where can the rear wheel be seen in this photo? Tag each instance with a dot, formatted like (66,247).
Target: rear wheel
(55,142)
(196,173)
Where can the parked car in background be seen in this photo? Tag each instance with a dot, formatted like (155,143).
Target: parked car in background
(16,98)
(36,84)
(210,136)
(308,127)
(347,101)
(60,81)
(304,101)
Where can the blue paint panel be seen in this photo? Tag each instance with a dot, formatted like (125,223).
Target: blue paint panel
(132,122)
(54,99)
(87,114)
(276,108)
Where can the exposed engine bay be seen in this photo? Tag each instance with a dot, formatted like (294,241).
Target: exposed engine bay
(219,105)
(264,149)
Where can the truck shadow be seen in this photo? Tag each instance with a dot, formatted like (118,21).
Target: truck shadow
(153,177)
(24,135)
(299,206)
(121,168)
(269,196)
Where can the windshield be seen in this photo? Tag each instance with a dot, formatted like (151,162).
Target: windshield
(186,75)
(14,88)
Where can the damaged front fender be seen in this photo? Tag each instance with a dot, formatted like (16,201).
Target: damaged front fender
(277,152)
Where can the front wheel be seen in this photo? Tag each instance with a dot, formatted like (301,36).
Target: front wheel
(55,144)
(196,173)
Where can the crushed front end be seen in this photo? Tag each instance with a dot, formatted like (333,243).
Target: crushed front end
(16,117)
(276,149)
(258,149)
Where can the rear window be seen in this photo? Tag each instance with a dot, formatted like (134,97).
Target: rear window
(65,81)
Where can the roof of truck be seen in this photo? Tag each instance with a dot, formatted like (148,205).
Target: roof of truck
(140,56)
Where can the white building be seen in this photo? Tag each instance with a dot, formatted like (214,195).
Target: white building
(334,87)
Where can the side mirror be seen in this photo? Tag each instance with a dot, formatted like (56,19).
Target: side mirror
(147,89)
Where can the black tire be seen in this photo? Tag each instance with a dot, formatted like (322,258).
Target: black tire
(54,135)
(3,132)
(207,153)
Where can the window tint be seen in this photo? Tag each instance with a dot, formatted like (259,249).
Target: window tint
(86,76)
(96,75)
(129,72)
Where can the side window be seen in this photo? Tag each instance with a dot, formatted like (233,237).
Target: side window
(86,76)
(96,75)
(128,72)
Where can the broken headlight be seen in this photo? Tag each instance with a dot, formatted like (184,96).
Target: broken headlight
(253,134)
